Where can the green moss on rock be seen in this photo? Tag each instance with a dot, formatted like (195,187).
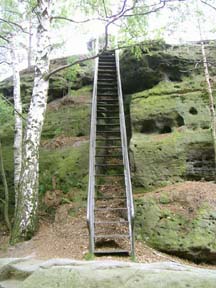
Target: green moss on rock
(171,137)
(68,165)
(176,233)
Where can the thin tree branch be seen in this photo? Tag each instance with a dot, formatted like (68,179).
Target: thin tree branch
(11,23)
(5,62)
(208,4)
(4,38)
(5,47)
(11,11)
(72,64)
(148,12)
(105,10)
(122,10)
(77,21)
(6,100)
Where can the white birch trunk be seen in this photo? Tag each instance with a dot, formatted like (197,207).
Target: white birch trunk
(211,103)
(26,216)
(209,88)
(17,113)
(30,42)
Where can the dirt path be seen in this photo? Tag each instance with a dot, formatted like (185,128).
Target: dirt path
(67,237)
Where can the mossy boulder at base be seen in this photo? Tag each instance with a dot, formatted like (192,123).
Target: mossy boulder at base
(180,221)
(65,273)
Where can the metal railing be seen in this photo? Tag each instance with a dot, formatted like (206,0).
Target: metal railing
(124,145)
(92,151)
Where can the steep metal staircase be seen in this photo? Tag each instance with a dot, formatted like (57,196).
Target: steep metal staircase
(110,211)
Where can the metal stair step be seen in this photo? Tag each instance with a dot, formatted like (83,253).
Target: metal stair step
(103,114)
(109,75)
(109,147)
(104,66)
(104,132)
(107,111)
(108,186)
(104,88)
(106,83)
(108,176)
(101,61)
(104,57)
(108,118)
(109,84)
(107,79)
(110,209)
(108,125)
(106,108)
(111,222)
(109,139)
(108,156)
(107,105)
(111,198)
(112,96)
(107,100)
(107,56)
(112,236)
(111,252)
(109,165)
(105,93)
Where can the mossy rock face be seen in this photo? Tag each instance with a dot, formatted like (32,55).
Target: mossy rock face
(68,165)
(63,152)
(178,226)
(59,84)
(156,62)
(171,137)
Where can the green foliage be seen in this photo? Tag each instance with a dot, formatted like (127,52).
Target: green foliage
(6,116)
(72,72)
(67,121)
(89,256)
(70,168)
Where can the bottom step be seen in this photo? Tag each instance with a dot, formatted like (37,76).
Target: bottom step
(111,252)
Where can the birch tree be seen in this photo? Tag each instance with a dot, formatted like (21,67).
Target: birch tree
(27,201)
(18,126)
(10,29)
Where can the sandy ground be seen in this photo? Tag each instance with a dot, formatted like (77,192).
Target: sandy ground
(67,235)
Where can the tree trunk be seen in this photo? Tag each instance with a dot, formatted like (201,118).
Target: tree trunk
(209,88)
(26,215)
(211,104)
(30,42)
(6,192)
(18,119)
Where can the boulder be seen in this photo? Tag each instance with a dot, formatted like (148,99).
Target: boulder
(69,273)
(180,220)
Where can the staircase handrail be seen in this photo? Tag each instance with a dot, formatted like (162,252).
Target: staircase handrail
(124,144)
(92,149)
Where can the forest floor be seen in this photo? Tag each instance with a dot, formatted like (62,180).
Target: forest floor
(67,235)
